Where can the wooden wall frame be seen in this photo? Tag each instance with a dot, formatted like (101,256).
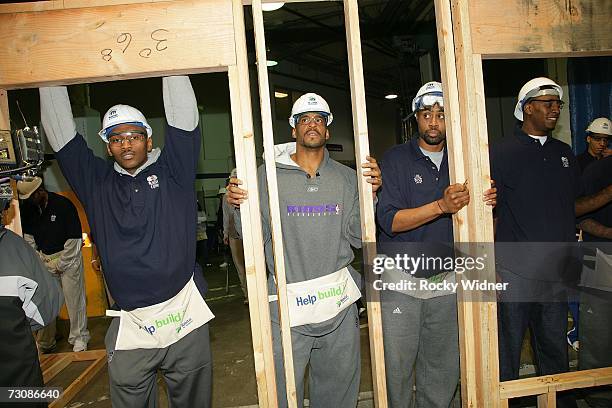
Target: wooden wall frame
(76,41)
(468,32)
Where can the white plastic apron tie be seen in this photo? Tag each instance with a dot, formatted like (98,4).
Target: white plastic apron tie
(320,299)
(162,324)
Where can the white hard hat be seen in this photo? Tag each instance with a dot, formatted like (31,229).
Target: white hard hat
(536,87)
(310,102)
(120,115)
(26,188)
(601,125)
(428,95)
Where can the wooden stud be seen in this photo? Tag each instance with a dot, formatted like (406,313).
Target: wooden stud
(250,214)
(115,42)
(366,204)
(273,203)
(468,160)
(544,28)
(548,400)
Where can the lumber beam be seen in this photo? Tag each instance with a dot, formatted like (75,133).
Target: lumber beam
(80,382)
(50,372)
(555,382)
(273,203)
(366,204)
(540,28)
(548,400)
(467,141)
(244,145)
(115,42)
(69,4)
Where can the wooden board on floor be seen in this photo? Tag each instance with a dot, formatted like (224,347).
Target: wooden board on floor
(53,364)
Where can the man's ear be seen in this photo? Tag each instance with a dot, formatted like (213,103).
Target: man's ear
(326,134)
(528,108)
(293,133)
(108,150)
(149,144)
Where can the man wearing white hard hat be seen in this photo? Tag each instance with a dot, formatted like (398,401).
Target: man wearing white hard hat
(414,214)
(538,179)
(51,225)
(598,136)
(320,223)
(142,214)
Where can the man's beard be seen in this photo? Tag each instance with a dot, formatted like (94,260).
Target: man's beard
(433,140)
(321,141)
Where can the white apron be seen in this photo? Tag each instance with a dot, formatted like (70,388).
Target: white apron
(162,324)
(320,299)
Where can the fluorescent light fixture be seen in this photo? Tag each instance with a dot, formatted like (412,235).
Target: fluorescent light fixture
(391,96)
(280,95)
(271,63)
(272,6)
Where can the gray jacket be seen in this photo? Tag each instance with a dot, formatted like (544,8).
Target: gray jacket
(320,223)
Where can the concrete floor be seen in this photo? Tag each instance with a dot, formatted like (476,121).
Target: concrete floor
(234,382)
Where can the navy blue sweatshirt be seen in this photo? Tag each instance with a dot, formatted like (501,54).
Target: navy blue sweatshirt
(144,226)
(536,189)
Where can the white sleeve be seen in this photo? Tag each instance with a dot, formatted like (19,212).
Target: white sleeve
(180,103)
(56,116)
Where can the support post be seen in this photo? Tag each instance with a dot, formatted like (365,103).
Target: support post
(467,142)
(273,202)
(366,204)
(244,145)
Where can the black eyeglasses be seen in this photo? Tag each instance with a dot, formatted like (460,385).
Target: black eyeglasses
(549,103)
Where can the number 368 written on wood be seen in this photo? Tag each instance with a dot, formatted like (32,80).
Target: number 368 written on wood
(124,40)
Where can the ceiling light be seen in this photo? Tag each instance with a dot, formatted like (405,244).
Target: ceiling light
(272,6)
(391,96)
(280,95)
(271,63)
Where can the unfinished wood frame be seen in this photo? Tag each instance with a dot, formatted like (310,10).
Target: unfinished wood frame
(127,39)
(164,38)
(366,205)
(52,364)
(468,32)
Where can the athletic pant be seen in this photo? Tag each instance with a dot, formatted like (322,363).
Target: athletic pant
(547,322)
(185,365)
(335,365)
(73,286)
(421,340)
(237,250)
